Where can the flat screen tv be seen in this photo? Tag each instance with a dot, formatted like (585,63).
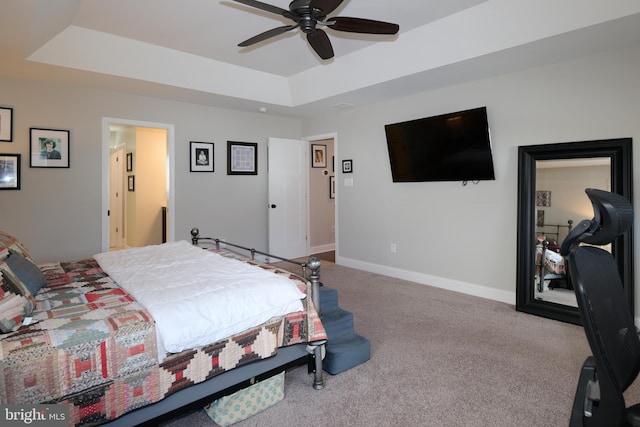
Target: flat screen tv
(449,147)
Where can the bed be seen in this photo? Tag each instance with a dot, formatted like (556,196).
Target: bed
(82,339)
(550,265)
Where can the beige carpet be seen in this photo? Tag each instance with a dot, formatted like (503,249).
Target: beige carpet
(439,358)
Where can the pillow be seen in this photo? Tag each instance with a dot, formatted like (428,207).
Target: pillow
(15,301)
(10,242)
(29,273)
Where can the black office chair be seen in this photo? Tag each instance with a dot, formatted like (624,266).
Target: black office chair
(605,314)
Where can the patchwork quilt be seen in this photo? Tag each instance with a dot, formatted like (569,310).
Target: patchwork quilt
(92,346)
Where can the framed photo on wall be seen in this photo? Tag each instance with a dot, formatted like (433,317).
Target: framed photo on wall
(129,162)
(543,198)
(6,124)
(201,156)
(9,171)
(242,158)
(347,166)
(49,148)
(131,183)
(318,156)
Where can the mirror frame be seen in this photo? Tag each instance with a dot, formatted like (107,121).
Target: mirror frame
(619,151)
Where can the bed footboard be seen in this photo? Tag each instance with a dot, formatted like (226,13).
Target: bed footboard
(313,264)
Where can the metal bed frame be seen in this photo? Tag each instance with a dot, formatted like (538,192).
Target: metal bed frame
(228,382)
(540,228)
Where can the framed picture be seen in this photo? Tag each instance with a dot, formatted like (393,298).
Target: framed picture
(201,156)
(318,156)
(6,124)
(129,162)
(543,198)
(49,148)
(242,158)
(347,166)
(9,171)
(540,218)
(131,183)
(332,187)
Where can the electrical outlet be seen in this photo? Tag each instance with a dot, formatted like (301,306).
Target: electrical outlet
(394,248)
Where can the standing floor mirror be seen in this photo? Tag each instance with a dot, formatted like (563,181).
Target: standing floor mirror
(551,200)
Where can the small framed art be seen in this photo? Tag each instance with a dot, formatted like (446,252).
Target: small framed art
(9,171)
(201,156)
(318,156)
(129,162)
(6,124)
(131,183)
(242,158)
(347,166)
(49,148)
(543,198)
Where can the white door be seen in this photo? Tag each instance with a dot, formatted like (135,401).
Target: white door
(116,203)
(288,164)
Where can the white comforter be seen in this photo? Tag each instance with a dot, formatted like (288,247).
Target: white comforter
(198,297)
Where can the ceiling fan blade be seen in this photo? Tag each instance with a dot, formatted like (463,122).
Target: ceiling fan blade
(319,41)
(326,6)
(266,35)
(266,7)
(359,25)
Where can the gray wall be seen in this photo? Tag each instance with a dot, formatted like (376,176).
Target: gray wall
(568,201)
(57,212)
(464,238)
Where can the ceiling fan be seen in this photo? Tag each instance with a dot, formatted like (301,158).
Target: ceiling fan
(308,14)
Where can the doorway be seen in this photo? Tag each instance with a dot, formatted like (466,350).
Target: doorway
(323,196)
(302,198)
(141,153)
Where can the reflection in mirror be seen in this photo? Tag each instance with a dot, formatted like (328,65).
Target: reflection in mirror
(551,200)
(560,203)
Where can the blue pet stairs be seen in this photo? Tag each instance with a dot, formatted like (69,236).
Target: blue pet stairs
(345,348)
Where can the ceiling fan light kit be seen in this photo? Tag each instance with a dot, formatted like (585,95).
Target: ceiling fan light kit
(308,14)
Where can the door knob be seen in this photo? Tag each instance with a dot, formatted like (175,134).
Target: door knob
(273,206)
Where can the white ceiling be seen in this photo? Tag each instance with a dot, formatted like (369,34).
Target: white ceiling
(187,50)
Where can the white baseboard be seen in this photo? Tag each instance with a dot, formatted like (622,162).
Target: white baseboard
(426,279)
(438,282)
(322,248)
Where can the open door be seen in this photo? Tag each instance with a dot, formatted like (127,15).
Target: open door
(287,191)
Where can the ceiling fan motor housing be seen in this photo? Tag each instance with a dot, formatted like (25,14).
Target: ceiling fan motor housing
(307,17)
